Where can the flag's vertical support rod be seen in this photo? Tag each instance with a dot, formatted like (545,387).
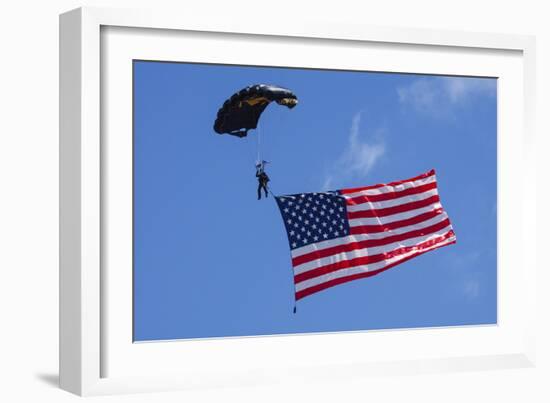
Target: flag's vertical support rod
(293,282)
(290,253)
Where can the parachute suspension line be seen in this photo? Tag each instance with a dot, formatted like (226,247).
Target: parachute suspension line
(258,146)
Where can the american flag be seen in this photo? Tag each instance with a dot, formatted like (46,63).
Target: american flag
(344,235)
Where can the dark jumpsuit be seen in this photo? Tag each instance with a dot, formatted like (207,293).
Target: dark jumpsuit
(262,182)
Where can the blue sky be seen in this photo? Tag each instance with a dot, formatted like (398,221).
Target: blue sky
(212,261)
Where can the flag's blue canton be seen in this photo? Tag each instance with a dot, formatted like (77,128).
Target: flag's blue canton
(313,217)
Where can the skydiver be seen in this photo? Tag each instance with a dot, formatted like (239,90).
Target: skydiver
(262,178)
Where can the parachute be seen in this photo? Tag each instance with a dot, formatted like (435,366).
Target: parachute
(241,112)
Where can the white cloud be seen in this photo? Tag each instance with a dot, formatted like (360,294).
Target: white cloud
(460,89)
(327,184)
(471,288)
(437,96)
(467,280)
(359,157)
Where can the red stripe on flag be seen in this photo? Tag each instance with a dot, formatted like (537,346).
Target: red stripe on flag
(354,190)
(382,212)
(368,243)
(391,195)
(331,283)
(369,229)
(365,260)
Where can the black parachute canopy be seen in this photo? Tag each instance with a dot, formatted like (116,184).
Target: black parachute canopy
(242,111)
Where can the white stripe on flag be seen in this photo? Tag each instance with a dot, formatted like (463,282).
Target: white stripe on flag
(338,257)
(362,269)
(356,222)
(388,189)
(392,202)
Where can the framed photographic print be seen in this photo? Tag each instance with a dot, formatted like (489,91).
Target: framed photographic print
(276,202)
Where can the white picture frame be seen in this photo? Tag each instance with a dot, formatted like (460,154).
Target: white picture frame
(97,355)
